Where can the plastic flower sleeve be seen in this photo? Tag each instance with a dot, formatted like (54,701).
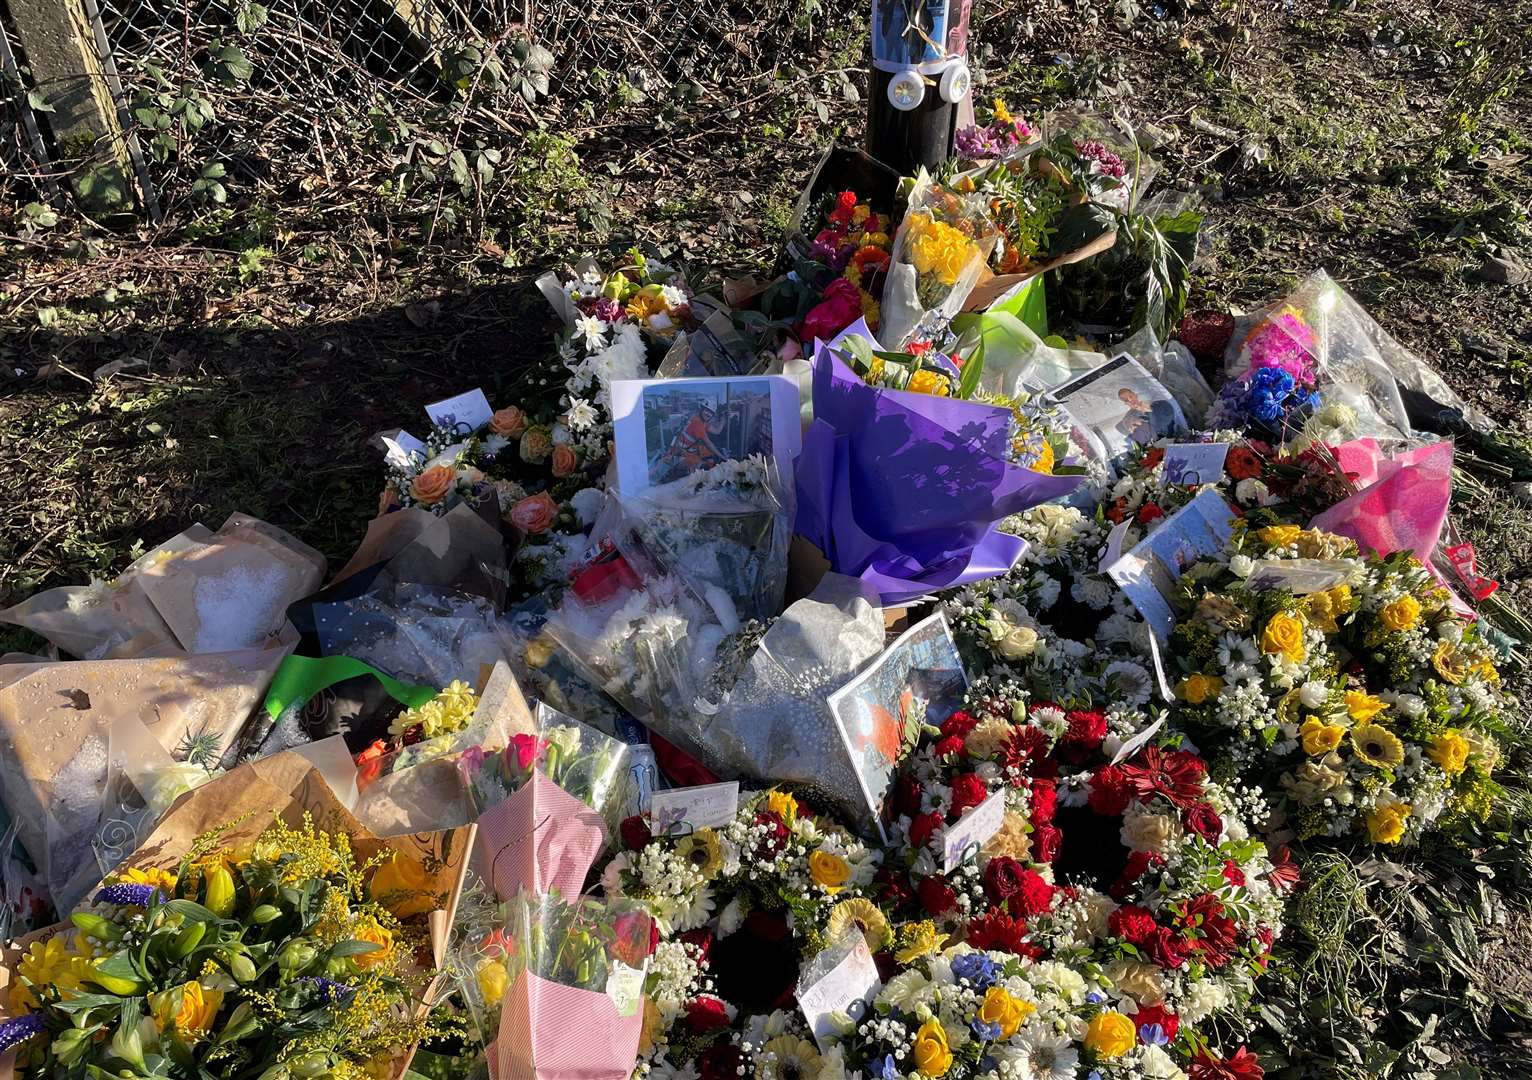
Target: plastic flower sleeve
(939,253)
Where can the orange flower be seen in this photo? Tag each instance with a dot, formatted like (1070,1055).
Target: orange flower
(432,485)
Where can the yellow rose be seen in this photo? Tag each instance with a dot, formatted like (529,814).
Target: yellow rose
(1110,1034)
(1320,737)
(1001,1008)
(190,1009)
(782,804)
(1284,635)
(1195,689)
(1385,824)
(830,871)
(933,1057)
(1362,706)
(1279,535)
(1450,751)
(926,381)
(369,929)
(492,979)
(1401,614)
(402,885)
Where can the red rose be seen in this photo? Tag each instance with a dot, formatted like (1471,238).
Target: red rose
(1203,820)
(706,1013)
(1165,949)
(776,833)
(1034,896)
(1087,728)
(1138,862)
(1045,842)
(635,832)
(1242,463)
(1241,1065)
(923,827)
(907,795)
(1110,791)
(959,723)
(1156,1016)
(936,896)
(1045,801)
(1233,874)
(1153,456)
(702,940)
(968,791)
(722,1061)
(841,306)
(891,888)
(1132,922)
(1149,512)
(952,744)
(1002,878)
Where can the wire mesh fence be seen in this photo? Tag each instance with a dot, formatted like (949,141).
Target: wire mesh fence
(25,174)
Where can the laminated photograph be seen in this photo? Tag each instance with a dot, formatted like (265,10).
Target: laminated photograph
(1122,405)
(1150,571)
(667,429)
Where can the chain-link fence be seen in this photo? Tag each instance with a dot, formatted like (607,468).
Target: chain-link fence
(25,173)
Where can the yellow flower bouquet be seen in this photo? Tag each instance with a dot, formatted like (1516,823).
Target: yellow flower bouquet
(939,253)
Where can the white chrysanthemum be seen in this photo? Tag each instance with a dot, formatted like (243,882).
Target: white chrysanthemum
(1132,681)
(1313,694)
(1051,1057)
(906,990)
(591,332)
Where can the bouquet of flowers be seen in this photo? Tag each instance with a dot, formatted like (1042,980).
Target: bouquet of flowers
(854,244)
(1002,136)
(1348,682)
(267,944)
(938,255)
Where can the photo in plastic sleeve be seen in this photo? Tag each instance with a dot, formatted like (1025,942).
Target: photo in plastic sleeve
(917,680)
(908,32)
(667,429)
(1122,405)
(1150,571)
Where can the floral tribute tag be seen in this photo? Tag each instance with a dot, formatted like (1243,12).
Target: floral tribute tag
(464,413)
(970,832)
(685,810)
(842,979)
(1194,464)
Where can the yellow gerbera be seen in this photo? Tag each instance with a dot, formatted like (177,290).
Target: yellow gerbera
(864,915)
(1377,746)
(1449,663)
(702,850)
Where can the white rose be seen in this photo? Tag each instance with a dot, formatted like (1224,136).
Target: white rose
(1018,644)
(1242,565)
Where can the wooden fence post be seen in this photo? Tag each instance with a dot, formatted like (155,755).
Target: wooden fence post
(60,48)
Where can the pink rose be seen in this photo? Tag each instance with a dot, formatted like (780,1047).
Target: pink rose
(841,306)
(509,422)
(565,460)
(535,513)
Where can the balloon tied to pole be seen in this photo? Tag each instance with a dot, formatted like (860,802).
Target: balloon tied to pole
(920,80)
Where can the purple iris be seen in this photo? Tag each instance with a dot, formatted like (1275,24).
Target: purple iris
(1153,1035)
(19,1029)
(128,895)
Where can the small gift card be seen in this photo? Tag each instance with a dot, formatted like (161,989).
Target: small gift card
(680,811)
(1194,464)
(403,450)
(464,414)
(842,979)
(1150,572)
(1298,576)
(972,831)
(625,986)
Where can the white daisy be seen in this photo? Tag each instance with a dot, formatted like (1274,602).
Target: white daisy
(1052,1057)
(1132,681)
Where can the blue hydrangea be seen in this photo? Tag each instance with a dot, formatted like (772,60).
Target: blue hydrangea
(977,968)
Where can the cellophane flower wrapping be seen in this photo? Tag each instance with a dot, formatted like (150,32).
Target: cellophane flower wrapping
(554,986)
(905,491)
(939,252)
(546,804)
(1326,341)
(726,530)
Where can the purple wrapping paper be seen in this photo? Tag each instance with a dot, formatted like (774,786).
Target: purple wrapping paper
(905,490)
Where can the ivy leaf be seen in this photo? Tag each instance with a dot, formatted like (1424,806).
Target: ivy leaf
(39,101)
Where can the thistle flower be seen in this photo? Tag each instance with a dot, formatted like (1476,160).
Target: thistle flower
(128,895)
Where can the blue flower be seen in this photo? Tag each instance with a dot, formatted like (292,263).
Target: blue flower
(1154,1035)
(329,989)
(19,1029)
(1095,997)
(987,1032)
(128,895)
(977,968)
(887,1069)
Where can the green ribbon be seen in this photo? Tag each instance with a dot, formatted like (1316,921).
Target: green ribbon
(301,677)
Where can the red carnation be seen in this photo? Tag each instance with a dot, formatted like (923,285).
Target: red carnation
(846,199)
(635,832)
(959,723)
(1034,896)
(1045,801)
(1001,932)
(722,1061)
(1045,842)
(968,791)
(1203,820)
(1149,512)
(1110,791)
(706,1013)
(1002,878)
(936,896)
(1132,922)
(1241,1065)
(1233,874)
(1156,1015)
(951,744)
(1087,727)
(907,795)
(923,827)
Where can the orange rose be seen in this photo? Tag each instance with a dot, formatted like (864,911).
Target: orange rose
(432,485)
(509,422)
(565,460)
(535,513)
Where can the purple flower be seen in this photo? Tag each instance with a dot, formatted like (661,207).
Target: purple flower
(973,143)
(608,310)
(329,989)
(128,895)
(988,1032)
(19,1029)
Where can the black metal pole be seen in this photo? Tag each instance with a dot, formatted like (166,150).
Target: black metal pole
(904,140)
(919,80)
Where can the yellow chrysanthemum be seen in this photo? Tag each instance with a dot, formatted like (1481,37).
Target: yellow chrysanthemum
(1450,751)
(1377,746)
(917,940)
(864,915)
(938,248)
(1278,535)
(46,963)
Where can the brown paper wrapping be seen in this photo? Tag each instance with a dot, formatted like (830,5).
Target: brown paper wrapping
(286,787)
(992,287)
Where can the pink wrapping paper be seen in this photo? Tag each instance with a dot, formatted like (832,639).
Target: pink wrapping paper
(539,839)
(1404,509)
(549,1031)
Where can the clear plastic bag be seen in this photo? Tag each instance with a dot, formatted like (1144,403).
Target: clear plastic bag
(939,253)
(417,633)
